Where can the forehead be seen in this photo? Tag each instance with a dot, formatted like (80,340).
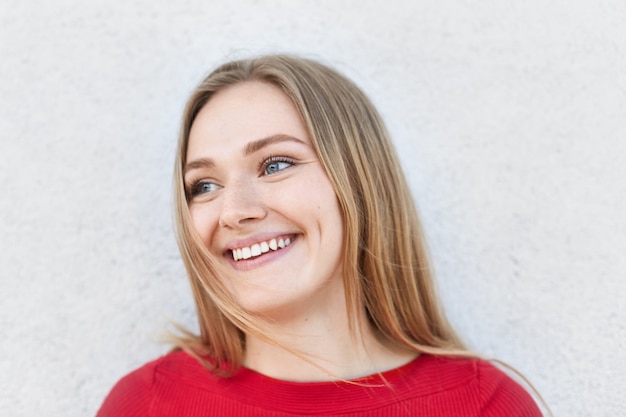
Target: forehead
(244,112)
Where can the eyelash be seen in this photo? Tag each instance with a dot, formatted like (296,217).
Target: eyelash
(272,159)
(192,191)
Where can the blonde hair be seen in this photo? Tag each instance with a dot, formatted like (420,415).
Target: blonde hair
(385,264)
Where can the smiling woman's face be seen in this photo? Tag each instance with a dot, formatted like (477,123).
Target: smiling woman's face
(262,203)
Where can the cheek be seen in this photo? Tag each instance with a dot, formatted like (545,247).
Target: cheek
(328,209)
(203,222)
(315,195)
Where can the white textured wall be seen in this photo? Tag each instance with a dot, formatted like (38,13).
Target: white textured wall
(510,117)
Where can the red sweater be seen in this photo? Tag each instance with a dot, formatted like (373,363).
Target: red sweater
(177,385)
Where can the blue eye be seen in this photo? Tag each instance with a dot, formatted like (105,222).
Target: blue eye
(275,167)
(276,164)
(202,187)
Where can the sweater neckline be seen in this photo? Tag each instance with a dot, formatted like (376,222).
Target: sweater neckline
(362,393)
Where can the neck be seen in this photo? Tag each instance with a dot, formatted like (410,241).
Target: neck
(322,348)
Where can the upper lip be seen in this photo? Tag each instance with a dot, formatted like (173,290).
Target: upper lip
(249,241)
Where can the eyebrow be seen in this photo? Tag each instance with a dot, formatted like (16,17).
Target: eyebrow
(259,144)
(250,148)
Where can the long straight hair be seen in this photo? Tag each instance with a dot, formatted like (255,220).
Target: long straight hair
(386,268)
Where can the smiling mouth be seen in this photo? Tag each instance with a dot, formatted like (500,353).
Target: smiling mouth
(260,248)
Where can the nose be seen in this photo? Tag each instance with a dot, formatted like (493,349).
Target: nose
(241,205)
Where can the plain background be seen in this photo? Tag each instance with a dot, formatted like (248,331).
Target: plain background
(509,116)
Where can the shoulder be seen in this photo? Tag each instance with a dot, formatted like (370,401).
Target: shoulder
(133,395)
(501,395)
(480,385)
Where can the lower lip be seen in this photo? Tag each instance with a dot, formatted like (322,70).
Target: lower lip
(251,263)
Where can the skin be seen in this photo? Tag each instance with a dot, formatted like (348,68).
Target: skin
(253,176)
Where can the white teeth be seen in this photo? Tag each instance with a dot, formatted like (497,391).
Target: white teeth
(259,248)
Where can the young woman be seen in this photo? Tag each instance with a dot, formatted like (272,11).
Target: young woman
(307,264)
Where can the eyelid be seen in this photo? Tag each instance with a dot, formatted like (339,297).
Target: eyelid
(273,159)
(192,184)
